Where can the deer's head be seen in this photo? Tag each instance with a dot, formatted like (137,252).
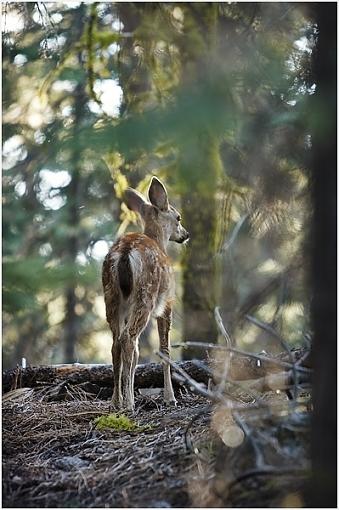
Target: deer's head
(162,221)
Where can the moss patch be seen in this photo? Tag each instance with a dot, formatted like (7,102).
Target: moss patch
(119,422)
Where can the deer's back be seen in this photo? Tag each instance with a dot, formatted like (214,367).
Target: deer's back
(136,269)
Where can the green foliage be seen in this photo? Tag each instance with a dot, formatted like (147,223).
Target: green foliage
(214,101)
(57,203)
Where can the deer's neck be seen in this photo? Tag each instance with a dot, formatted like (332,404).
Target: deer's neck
(157,233)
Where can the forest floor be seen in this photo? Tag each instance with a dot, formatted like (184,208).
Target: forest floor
(55,456)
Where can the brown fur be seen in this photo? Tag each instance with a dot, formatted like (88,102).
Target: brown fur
(138,283)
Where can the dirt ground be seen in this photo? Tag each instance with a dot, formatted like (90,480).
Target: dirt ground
(53,456)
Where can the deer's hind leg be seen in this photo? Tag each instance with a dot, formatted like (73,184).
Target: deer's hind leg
(130,352)
(117,369)
(112,316)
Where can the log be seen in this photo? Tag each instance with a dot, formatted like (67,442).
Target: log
(149,375)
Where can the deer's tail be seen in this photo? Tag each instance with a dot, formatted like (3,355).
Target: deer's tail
(125,274)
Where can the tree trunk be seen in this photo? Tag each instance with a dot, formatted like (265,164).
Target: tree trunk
(71,322)
(322,491)
(71,327)
(199,273)
(134,76)
(200,169)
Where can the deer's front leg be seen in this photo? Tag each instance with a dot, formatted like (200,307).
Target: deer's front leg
(164,326)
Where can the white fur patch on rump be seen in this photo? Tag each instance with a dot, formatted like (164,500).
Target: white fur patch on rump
(135,262)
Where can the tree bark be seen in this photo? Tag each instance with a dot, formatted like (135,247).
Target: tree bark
(199,173)
(322,492)
(199,272)
(71,322)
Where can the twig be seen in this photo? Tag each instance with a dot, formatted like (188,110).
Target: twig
(188,441)
(200,344)
(215,396)
(83,413)
(283,343)
(234,233)
(253,300)
(15,381)
(259,458)
(278,381)
(246,354)
(206,393)
(221,326)
(273,332)
(202,365)
(302,358)
(251,392)
(268,471)
(273,441)
(307,340)
(228,355)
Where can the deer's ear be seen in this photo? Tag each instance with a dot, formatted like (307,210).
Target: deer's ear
(134,200)
(158,195)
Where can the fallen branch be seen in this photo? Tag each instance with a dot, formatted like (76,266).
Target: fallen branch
(99,375)
(243,366)
(264,359)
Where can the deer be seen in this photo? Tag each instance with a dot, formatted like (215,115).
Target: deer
(138,283)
